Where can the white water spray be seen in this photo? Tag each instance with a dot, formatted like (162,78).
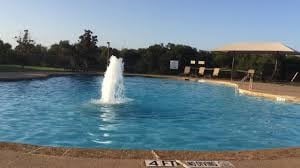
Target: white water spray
(112,84)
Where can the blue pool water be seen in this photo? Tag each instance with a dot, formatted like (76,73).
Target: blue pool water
(163,114)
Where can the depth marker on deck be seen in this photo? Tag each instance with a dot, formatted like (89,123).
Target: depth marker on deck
(208,164)
(161,163)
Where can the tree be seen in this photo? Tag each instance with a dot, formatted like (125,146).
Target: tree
(38,56)
(62,55)
(183,53)
(24,48)
(86,50)
(130,57)
(5,53)
(85,54)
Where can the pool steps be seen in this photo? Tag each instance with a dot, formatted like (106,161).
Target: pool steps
(254,93)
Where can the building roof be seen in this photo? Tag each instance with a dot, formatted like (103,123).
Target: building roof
(256,47)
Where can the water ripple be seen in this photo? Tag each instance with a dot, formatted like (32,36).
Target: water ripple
(164,114)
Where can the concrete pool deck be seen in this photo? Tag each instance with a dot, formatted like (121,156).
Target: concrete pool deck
(21,155)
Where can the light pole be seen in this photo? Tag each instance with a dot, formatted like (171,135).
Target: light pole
(108,55)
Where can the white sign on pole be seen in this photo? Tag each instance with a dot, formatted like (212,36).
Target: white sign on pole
(201,62)
(174,64)
(193,62)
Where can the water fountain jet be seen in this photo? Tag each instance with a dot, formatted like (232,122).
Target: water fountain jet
(112,85)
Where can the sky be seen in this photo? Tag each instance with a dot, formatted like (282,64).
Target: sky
(203,24)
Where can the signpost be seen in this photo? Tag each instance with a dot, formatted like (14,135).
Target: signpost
(108,54)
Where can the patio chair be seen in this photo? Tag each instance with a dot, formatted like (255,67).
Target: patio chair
(216,72)
(251,71)
(250,74)
(201,71)
(187,70)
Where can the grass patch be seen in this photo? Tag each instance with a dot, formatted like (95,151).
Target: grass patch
(19,68)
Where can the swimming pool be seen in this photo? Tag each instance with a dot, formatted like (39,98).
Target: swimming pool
(162,114)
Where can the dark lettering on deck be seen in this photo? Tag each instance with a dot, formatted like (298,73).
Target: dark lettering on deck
(161,163)
(202,164)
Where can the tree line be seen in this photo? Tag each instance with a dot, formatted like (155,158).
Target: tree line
(86,55)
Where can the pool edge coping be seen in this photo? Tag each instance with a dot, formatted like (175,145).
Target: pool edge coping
(264,154)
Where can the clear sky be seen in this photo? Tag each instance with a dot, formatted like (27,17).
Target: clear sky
(204,24)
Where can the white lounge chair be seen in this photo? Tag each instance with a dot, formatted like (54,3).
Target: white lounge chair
(187,70)
(216,72)
(201,71)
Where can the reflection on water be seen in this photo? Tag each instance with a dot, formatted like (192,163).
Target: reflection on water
(106,124)
(108,114)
